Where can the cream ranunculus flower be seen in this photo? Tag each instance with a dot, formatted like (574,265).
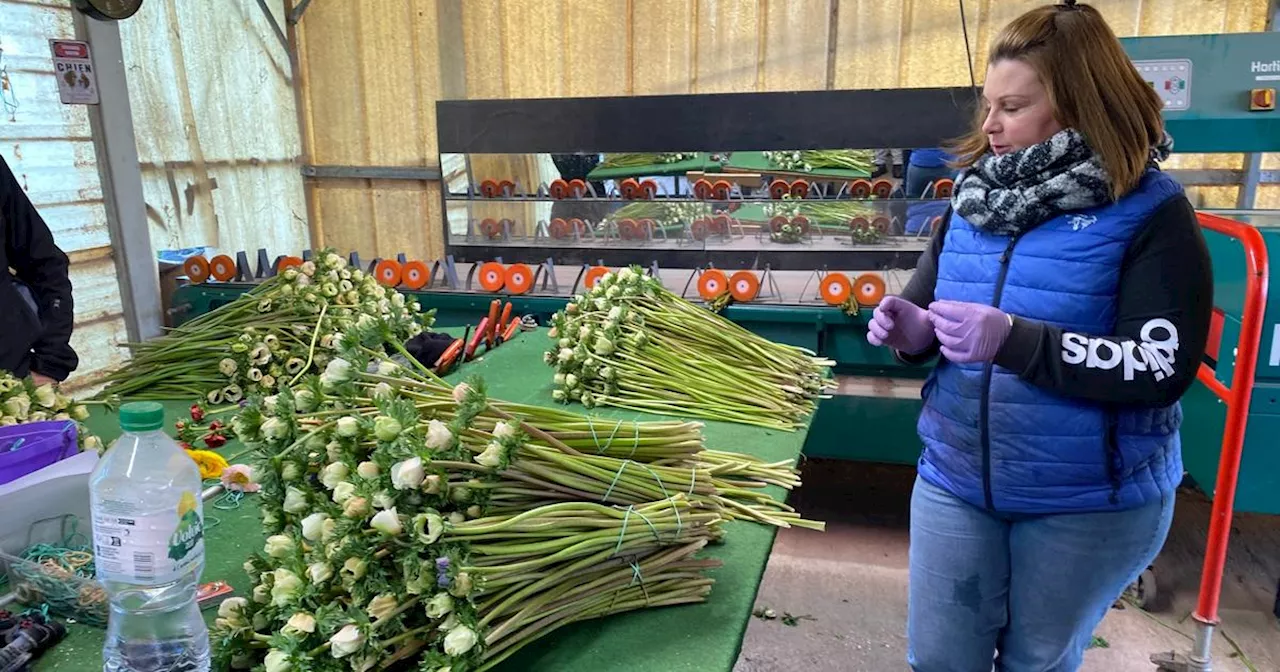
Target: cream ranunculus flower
(438,435)
(387,522)
(348,426)
(277,661)
(319,572)
(287,585)
(459,641)
(386,428)
(313,526)
(354,569)
(504,431)
(408,474)
(368,470)
(46,396)
(18,406)
(381,606)
(279,546)
(345,492)
(356,508)
(232,610)
(346,641)
(492,455)
(300,623)
(295,501)
(333,474)
(80,412)
(440,606)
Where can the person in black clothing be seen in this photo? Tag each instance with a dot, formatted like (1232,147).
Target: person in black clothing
(35,298)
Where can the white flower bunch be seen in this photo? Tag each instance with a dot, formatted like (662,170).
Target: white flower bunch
(22,401)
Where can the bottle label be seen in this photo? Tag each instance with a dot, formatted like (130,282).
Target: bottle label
(148,548)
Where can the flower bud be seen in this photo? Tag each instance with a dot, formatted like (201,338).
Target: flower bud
(348,426)
(368,470)
(386,428)
(279,546)
(313,526)
(387,522)
(356,507)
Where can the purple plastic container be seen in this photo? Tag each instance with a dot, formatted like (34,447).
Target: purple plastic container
(30,447)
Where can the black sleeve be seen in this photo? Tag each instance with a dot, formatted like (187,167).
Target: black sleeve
(1162,324)
(42,266)
(919,289)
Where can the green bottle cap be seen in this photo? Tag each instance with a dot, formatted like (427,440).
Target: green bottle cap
(141,416)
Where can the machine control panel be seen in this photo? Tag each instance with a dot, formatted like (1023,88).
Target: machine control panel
(1171,78)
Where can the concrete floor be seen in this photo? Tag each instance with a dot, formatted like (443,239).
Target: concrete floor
(850,584)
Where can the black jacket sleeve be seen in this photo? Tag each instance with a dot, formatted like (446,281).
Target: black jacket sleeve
(919,289)
(1162,324)
(42,266)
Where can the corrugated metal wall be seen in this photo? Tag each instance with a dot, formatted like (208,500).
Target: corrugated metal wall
(216,126)
(373,69)
(50,149)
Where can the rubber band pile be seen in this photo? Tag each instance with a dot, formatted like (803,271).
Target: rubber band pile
(410,520)
(59,578)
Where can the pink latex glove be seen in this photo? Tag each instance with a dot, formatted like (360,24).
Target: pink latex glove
(901,325)
(969,332)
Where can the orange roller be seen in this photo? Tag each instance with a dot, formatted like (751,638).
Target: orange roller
(388,273)
(578,225)
(519,278)
(859,224)
(778,221)
(934,224)
(702,189)
(720,224)
(800,189)
(629,189)
(836,289)
(490,228)
(492,276)
(699,229)
(506,188)
(712,284)
(648,190)
(720,190)
(860,189)
(196,268)
(943,188)
(490,189)
(778,189)
(415,275)
(744,286)
(559,229)
(594,274)
(627,229)
(882,188)
(559,189)
(288,262)
(646,228)
(802,222)
(222,268)
(869,288)
(881,224)
(578,188)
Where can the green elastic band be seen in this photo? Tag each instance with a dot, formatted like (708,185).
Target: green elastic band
(636,576)
(616,476)
(693,479)
(211,522)
(627,517)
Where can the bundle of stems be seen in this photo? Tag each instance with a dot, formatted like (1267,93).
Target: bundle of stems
(269,336)
(810,159)
(411,519)
(631,343)
(634,160)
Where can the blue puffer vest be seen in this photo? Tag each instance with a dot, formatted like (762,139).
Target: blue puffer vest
(1000,443)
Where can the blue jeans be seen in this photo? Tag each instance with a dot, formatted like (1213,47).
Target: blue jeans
(1020,593)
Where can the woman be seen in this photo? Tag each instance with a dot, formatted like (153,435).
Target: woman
(36,304)
(1069,295)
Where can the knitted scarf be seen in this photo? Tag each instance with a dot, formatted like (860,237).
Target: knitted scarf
(1014,192)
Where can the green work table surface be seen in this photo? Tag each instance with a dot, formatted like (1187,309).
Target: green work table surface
(700,162)
(754,162)
(703,637)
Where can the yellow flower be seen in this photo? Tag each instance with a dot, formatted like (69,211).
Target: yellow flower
(211,464)
(187,502)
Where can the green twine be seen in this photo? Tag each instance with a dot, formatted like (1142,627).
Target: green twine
(229,501)
(663,488)
(595,438)
(60,577)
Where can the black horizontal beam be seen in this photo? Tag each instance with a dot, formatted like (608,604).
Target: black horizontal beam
(870,119)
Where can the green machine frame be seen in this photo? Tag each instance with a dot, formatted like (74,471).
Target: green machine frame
(1205,114)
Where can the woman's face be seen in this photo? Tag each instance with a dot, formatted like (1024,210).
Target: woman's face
(1018,111)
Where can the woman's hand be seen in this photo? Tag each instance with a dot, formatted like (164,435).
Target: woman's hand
(901,325)
(40,379)
(969,332)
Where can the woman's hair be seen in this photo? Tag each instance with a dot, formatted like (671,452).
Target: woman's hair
(1092,86)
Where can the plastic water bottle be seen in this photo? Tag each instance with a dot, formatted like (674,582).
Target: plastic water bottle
(148,537)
